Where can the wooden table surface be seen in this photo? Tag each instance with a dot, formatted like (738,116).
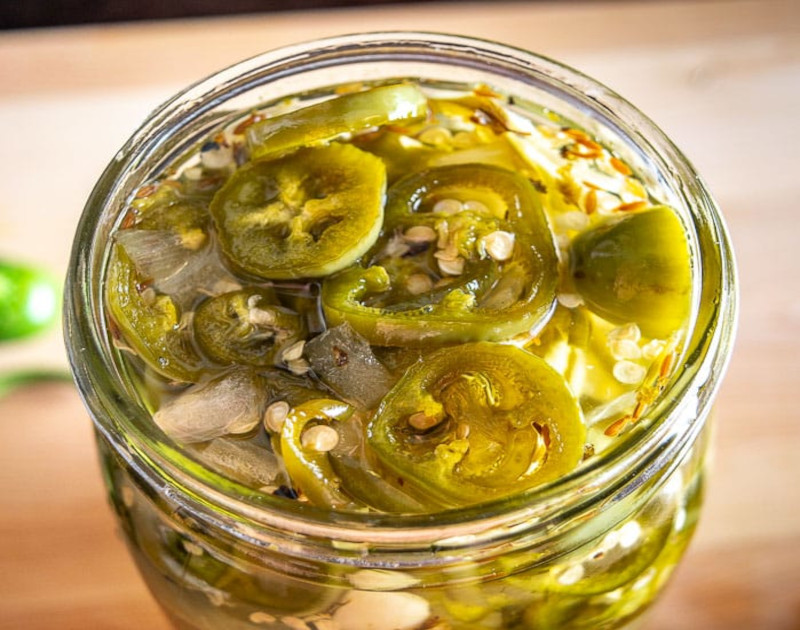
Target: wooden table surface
(721,78)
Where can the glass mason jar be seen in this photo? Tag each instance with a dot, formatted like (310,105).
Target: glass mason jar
(590,550)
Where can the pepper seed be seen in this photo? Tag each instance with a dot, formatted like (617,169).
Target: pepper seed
(422,421)
(448,206)
(320,438)
(293,352)
(628,372)
(419,234)
(499,245)
(418,283)
(275,416)
(452,267)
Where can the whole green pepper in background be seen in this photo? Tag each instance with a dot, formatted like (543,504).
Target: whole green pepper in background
(29,301)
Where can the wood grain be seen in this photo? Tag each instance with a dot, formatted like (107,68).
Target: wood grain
(722,78)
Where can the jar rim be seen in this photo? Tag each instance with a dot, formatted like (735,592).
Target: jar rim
(115,411)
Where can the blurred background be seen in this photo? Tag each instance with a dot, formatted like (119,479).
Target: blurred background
(34,13)
(721,77)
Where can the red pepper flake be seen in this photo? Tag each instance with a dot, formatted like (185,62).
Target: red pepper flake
(590,203)
(589,154)
(620,166)
(129,220)
(589,144)
(631,207)
(616,427)
(250,120)
(666,368)
(145,191)
(575,134)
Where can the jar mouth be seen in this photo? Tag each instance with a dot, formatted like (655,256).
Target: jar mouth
(674,421)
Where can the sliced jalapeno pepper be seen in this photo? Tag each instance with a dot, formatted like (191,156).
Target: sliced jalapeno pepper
(245,327)
(330,119)
(307,215)
(166,210)
(478,421)
(636,269)
(149,322)
(310,469)
(466,254)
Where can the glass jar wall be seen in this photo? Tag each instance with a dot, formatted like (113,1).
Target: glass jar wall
(589,550)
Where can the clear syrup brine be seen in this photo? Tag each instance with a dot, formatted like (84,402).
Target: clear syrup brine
(463,300)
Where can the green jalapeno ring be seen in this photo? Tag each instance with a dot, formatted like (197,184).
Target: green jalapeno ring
(327,120)
(245,327)
(636,268)
(478,421)
(517,295)
(307,215)
(149,322)
(311,471)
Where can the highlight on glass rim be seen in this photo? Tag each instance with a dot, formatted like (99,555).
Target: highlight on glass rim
(404,353)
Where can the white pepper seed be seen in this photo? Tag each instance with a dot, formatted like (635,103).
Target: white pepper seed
(149,296)
(476,206)
(628,372)
(262,617)
(320,438)
(275,416)
(499,245)
(447,206)
(295,623)
(418,283)
(627,331)
(367,610)
(653,349)
(420,234)
(298,367)
(569,300)
(382,580)
(396,247)
(448,253)
(293,352)
(260,317)
(452,267)
(624,349)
